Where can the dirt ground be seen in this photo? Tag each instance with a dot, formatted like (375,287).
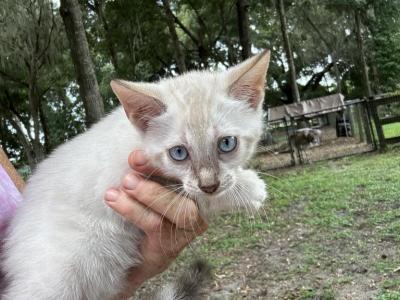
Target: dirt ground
(278,267)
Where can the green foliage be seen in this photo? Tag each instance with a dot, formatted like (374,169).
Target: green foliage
(391,130)
(130,39)
(35,74)
(389,296)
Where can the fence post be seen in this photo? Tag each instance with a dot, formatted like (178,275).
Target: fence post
(359,121)
(378,125)
(288,139)
(370,122)
(365,124)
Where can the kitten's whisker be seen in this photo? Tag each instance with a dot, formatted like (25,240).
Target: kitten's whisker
(152,172)
(246,190)
(249,209)
(185,204)
(177,213)
(184,225)
(162,221)
(282,193)
(269,175)
(238,198)
(160,197)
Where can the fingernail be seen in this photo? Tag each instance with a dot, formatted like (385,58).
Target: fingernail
(111,195)
(130,182)
(140,158)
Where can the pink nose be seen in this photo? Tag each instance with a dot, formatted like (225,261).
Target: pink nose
(209,189)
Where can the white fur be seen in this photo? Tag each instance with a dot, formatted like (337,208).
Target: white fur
(65,243)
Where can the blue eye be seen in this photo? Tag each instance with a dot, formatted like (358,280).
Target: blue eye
(178,153)
(227,144)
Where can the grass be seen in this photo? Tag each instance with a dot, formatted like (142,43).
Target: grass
(389,296)
(391,130)
(336,223)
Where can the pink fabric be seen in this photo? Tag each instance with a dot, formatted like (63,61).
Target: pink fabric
(10,197)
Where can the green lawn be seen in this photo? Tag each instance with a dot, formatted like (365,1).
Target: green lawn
(330,230)
(391,130)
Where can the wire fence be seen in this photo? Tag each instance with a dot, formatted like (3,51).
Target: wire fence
(306,139)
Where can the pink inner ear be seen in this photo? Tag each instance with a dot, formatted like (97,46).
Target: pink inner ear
(247,80)
(139,107)
(246,92)
(141,110)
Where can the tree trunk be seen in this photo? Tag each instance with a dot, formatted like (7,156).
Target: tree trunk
(363,61)
(242,9)
(178,53)
(288,50)
(338,78)
(34,103)
(27,145)
(45,128)
(86,77)
(375,79)
(364,68)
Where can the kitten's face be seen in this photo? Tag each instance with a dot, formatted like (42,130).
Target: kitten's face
(201,127)
(204,139)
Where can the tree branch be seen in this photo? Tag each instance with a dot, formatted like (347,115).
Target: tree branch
(319,33)
(17,115)
(13,79)
(41,54)
(198,16)
(185,30)
(317,77)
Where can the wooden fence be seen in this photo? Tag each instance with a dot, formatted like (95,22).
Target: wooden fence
(385,111)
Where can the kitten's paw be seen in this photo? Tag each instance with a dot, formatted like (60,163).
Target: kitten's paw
(257,189)
(259,193)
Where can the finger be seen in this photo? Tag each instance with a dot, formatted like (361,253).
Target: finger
(141,164)
(133,211)
(179,210)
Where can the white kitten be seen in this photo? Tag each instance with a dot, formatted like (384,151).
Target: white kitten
(199,128)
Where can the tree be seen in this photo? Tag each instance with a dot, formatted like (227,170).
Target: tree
(145,41)
(178,53)
(362,58)
(331,40)
(382,22)
(97,6)
(288,50)
(89,89)
(28,49)
(242,8)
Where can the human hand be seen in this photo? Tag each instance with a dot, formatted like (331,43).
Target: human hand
(170,222)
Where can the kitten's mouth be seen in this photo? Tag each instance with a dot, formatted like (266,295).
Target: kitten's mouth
(222,189)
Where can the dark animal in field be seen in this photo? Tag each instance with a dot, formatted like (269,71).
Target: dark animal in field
(304,138)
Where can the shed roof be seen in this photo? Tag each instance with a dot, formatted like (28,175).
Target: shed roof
(308,108)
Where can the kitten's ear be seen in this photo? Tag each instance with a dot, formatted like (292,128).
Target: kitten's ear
(139,102)
(246,81)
